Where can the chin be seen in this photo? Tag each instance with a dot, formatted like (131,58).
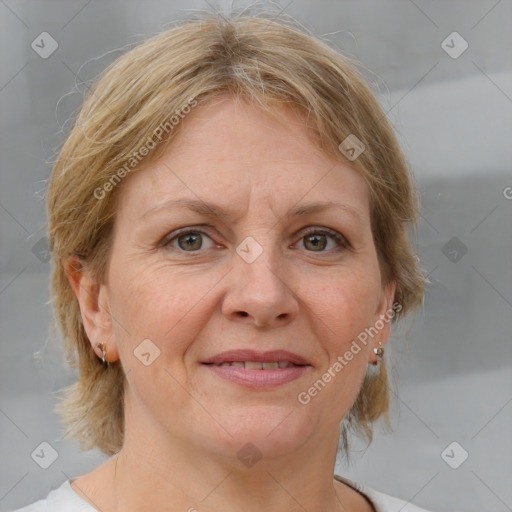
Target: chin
(272,432)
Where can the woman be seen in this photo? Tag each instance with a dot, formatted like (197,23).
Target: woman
(228,222)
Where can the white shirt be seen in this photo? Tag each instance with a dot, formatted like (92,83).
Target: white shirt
(65,499)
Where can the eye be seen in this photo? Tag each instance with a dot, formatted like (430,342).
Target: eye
(314,240)
(188,240)
(318,239)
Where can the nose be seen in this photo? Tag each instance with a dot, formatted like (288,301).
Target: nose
(261,293)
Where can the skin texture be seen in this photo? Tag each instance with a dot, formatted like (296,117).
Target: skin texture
(184,424)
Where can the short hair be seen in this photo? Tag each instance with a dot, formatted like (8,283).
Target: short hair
(137,100)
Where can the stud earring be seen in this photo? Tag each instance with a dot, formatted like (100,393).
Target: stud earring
(379,352)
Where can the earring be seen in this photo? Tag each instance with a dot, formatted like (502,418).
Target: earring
(103,348)
(379,352)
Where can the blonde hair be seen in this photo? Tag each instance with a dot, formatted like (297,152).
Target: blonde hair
(254,58)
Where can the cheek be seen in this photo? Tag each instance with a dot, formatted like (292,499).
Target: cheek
(150,304)
(347,305)
(347,309)
(156,303)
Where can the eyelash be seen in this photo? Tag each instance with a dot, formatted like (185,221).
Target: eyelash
(340,240)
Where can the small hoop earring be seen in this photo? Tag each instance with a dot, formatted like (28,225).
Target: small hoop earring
(379,352)
(103,348)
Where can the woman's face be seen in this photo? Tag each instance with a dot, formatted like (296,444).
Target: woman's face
(269,273)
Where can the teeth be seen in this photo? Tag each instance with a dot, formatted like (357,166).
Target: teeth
(250,365)
(254,365)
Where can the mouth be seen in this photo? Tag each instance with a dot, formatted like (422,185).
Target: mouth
(258,370)
(255,365)
(255,360)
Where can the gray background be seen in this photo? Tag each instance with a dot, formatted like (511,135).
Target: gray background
(450,365)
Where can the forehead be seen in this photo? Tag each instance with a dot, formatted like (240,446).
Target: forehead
(233,153)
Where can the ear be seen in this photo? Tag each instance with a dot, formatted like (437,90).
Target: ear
(385,312)
(94,307)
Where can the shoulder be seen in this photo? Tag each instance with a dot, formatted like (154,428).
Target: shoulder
(62,499)
(382,502)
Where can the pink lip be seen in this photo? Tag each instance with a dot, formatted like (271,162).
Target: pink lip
(253,355)
(259,379)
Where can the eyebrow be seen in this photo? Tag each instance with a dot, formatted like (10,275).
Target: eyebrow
(214,211)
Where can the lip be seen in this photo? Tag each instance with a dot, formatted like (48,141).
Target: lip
(260,357)
(258,379)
